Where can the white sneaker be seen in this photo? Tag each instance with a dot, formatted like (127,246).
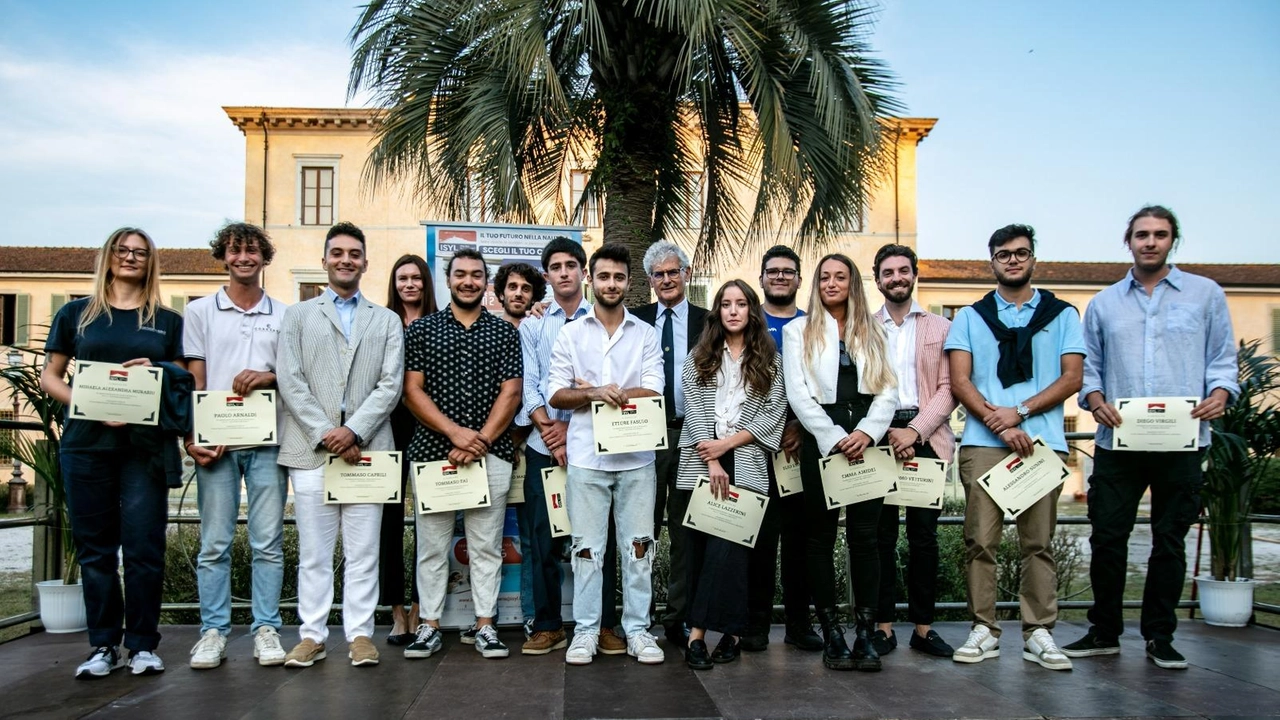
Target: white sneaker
(643,647)
(1040,648)
(100,664)
(581,650)
(980,646)
(144,662)
(267,647)
(209,650)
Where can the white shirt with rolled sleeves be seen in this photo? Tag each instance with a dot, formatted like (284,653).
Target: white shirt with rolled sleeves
(630,358)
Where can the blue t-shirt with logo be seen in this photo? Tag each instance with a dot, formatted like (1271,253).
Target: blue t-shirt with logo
(777,323)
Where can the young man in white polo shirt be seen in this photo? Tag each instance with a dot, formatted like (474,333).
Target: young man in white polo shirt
(230,339)
(611,356)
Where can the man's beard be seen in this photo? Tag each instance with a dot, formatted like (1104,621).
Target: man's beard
(464,304)
(788,299)
(601,301)
(1014,284)
(898,294)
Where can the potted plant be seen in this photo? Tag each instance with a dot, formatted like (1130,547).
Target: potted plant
(1245,440)
(62,598)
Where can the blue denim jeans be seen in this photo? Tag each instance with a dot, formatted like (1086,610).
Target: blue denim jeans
(218,499)
(117,503)
(588,496)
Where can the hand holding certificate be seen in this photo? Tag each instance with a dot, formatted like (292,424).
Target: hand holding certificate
(445,487)
(787,473)
(736,518)
(871,477)
(114,393)
(921,483)
(638,425)
(227,418)
(1160,424)
(1017,483)
(554,479)
(375,478)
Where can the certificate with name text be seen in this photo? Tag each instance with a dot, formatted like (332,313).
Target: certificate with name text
(867,478)
(637,426)
(223,417)
(554,480)
(374,478)
(736,518)
(1159,424)
(109,392)
(921,483)
(1017,483)
(445,487)
(787,473)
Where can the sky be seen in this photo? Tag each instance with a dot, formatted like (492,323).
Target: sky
(1067,116)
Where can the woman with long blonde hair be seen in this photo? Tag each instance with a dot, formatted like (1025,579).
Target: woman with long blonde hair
(117,496)
(841,386)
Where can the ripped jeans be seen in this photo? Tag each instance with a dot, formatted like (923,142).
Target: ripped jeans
(588,496)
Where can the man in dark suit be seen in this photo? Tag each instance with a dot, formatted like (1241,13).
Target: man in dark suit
(679,324)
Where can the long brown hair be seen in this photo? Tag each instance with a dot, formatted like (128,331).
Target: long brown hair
(100,303)
(395,304)
(758,351)
(862,335)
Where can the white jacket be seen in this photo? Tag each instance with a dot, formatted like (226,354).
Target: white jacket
(811,387)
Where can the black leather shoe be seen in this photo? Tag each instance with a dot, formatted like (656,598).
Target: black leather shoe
(884,643)
(697,657)
(726,651)
(803,637)
(677,635)
(931,644)
(401,639)
(864,655)
(835,653)
(756,639)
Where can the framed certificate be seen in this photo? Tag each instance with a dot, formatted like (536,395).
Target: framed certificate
(1160,424)
(225,418)
(375,478)
(445,487)
(554,479)
(638,426)
(787,473)
(737,518)
(870,477)
(1016,483)
(110,392)
(921,483)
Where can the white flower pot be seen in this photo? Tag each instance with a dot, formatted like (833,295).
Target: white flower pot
(62,606)
(1228,603)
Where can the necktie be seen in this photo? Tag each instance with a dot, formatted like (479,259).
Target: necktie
(669,362)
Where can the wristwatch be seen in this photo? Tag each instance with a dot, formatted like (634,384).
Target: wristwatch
(1022,410)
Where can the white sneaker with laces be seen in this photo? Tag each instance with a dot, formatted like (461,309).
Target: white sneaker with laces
(100,664)
(1040,648)
(208,650)
(643,647)
(980,646)
(145,662)
(582,650)
(267,647)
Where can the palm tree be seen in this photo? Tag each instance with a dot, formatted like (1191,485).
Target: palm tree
(499,96)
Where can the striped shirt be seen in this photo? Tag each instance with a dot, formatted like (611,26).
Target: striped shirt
(537,338)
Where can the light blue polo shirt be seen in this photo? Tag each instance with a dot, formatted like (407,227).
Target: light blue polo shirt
(1061,337)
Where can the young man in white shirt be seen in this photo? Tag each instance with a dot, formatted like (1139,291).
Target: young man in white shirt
(610,356)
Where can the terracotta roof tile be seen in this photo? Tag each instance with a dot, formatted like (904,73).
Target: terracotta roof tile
(1098,273)
(173,261)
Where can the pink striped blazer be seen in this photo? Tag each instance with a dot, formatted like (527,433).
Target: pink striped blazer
(933,383)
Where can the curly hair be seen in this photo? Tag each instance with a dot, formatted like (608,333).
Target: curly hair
(243,234)
(524,270)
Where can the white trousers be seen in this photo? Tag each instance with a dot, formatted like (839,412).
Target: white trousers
(318,526)
(484,548)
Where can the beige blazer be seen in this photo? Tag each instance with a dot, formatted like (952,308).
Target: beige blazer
(317,370)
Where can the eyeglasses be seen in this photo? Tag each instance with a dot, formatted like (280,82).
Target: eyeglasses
(660,275)
(123,252)
(1003,256)
(775,273)
(845,360)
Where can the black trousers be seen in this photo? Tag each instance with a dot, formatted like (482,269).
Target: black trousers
(391,552)
(717,578)
(783,528)
(672,503)
(1116,488)
(922,559)
(862,521)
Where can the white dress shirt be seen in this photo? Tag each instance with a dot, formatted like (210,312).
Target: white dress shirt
(902,351)
(731,392)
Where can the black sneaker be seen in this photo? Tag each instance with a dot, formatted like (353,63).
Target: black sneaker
(883,642)
(468,636)
(802,636)
(488,644)
(426,643)
(1163,655)
(104,661)
(931,644)
(1092,644)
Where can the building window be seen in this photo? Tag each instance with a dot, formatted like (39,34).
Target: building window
(317,196)
(950,311)
(306,291)
(590,215)
(1069,424)
(7,436)
(691,217)
(480,205)
(8,319)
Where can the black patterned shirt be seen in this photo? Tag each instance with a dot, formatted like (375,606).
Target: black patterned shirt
(463,370)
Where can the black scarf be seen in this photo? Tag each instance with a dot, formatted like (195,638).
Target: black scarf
(1016,361)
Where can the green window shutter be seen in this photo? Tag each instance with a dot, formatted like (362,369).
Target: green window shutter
(935,309)
(55,304)
(22,320)
(1275,330)
(178,302)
